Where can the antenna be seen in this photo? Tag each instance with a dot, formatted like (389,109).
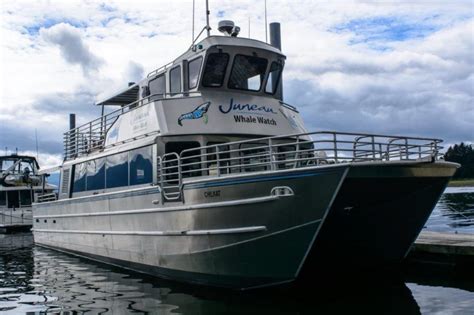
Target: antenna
(249,26)
(36,137)
(266,25)
(207,19)
(192,39)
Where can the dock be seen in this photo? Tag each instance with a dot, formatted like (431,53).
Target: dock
(453,249)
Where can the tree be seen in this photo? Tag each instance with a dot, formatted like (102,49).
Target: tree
(464,155)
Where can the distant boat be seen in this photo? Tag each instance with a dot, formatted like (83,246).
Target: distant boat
(19,185)
(204,175)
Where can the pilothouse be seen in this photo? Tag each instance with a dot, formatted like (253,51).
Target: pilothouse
(203,174)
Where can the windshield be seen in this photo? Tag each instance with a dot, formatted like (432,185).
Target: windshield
(6,163)
(214,71)
(248,73)
(273,78)
(26,164)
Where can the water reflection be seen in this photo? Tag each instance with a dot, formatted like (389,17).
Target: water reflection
(454,211)
(38,280)
(41,280)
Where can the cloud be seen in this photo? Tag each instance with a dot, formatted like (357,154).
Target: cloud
(73,49)
(133,72)
(381,67)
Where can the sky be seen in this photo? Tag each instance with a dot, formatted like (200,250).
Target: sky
(386,67)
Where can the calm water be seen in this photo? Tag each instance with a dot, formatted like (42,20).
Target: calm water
(34,280)
(454,212)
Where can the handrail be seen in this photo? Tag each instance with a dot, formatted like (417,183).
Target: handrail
(289,152)
(91,136)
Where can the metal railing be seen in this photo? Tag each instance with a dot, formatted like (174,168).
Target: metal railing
(91,136)
(14,216)
(47,197)
(287,152)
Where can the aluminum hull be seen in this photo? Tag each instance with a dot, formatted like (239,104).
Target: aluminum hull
(229,232)
(378,214)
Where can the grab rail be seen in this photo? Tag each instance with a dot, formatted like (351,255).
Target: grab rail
(92,135)
(289,152)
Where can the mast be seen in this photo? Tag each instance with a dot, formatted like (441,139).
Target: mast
(208,28)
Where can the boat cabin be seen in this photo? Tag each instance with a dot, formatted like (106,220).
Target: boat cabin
(222,89)
(18,174)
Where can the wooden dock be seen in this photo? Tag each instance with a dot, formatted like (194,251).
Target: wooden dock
(443,248)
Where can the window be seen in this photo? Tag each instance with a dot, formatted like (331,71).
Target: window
(157,87)
(194,66)
(117,170)
(96,174)
(273,78)
(247,73)
(175,80)
(215,69)
(141,168)
(25,198)
(6,164)
(3,198)
(223,158)
(80,171)
(256,155)
(286,153)
(190,160)
(13,200)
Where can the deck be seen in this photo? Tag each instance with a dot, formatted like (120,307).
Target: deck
(453,249)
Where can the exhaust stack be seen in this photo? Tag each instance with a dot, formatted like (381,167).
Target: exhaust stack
(275,41)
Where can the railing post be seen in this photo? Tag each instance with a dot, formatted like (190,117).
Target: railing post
(270,150)
(90,137)
(373,148)
(335,146)
(406,149)
(218,162)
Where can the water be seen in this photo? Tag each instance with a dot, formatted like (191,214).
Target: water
(34,280)
(454,212)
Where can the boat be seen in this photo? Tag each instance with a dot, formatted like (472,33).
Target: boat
(203,174)
(20,183)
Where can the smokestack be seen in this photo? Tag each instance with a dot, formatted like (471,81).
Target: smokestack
(71,146)
(275,35)
(72,121)
(275,41)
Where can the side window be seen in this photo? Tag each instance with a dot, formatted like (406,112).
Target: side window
(175,80)
(3,198)
(157,87)
(25,198)
(116,170)
(13,199)
(96,174)
(255,155)
(286,153)
(223,159)
(273,78)
(141,168)
(194,66)
(214,72)
(80,171)
(190,160)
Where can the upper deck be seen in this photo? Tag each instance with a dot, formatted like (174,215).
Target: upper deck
(221,85)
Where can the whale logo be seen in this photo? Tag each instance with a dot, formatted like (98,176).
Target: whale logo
(199,112)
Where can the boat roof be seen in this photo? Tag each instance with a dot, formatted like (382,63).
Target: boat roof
(18,157)
(129,95)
